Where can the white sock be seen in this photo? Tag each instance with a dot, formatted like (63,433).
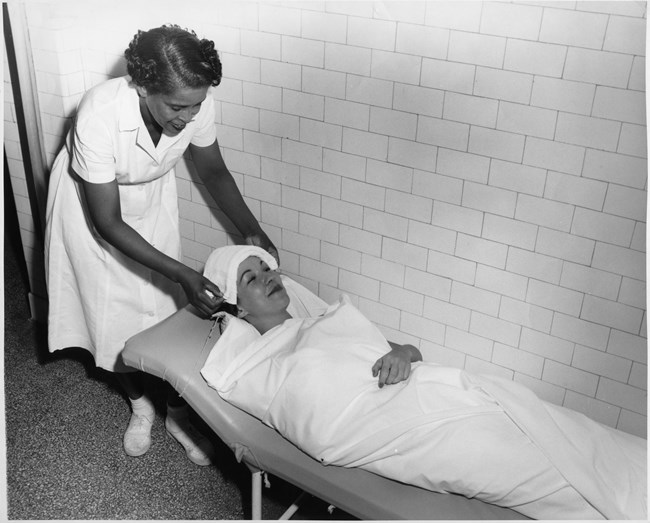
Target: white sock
(143,407)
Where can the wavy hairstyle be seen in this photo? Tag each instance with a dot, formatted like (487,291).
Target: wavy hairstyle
(168,57)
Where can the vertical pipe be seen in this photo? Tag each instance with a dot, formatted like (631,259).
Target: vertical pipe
(256,495)
(23,82)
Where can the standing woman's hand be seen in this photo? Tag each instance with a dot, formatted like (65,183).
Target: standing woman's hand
(204,295)
(265,244)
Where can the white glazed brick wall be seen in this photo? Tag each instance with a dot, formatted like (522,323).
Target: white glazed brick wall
(473,174)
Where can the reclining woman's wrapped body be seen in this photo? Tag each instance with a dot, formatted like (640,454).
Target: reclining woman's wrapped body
(443,429)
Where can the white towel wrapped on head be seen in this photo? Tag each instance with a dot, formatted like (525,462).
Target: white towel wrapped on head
(221,267)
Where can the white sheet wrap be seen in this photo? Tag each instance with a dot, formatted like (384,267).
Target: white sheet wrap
(443,429)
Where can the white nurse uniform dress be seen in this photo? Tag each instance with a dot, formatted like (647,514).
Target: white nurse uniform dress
(98,297)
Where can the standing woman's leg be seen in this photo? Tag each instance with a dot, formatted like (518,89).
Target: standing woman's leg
(137,438)
(198,448)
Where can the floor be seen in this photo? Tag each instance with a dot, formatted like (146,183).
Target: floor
(64,424)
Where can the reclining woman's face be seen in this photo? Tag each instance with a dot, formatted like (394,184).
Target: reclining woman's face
(260,291)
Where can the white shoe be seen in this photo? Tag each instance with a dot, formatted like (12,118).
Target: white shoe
(137,438)
(198,448)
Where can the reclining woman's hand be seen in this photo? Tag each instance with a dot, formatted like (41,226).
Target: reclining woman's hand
(395,366)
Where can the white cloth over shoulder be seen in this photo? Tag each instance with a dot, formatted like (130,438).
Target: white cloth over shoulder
(443,429)
(98,297)
(239,334)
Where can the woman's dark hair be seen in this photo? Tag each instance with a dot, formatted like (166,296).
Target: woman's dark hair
(165,58)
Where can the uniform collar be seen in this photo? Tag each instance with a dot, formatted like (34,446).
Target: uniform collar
(129,117)
(130,120)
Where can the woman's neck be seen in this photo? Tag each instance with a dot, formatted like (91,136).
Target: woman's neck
(266,323)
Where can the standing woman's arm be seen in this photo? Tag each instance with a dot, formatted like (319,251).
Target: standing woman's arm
(103,202)
(222,187)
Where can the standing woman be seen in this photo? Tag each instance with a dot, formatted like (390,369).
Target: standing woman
(112,242)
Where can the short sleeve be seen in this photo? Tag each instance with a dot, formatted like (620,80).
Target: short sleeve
(206,127)
(93,150)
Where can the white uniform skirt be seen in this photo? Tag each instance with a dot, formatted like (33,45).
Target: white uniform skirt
(98,297)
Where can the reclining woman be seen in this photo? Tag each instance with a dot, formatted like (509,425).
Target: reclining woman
(312,371)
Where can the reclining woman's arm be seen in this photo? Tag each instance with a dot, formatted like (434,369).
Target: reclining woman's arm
(395,366)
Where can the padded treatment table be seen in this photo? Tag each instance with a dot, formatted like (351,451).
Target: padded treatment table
(176,349)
